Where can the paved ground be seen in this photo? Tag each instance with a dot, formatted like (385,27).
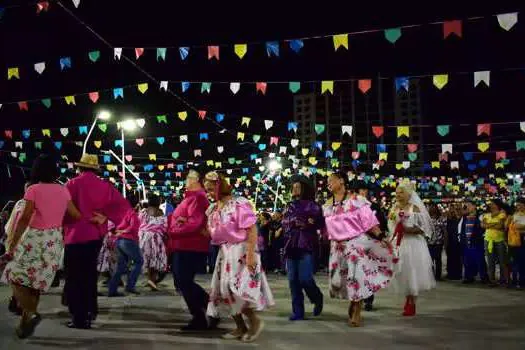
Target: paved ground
(452,316)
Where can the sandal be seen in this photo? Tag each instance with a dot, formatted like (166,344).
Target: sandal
(250,338)
(355,319)
(235,334)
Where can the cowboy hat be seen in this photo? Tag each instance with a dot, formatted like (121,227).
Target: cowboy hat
(88,161)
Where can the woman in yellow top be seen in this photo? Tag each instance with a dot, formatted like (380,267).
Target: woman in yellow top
(516,241)
(495,246)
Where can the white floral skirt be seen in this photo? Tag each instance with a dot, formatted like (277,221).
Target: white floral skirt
(359,267)
(153,251)
(36,260)
(107,258)
(234,287)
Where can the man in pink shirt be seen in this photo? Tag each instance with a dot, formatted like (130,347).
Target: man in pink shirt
(189,245)
(83,239)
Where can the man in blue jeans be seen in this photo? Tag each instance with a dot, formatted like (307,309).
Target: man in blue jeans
(302,219)
(471,237)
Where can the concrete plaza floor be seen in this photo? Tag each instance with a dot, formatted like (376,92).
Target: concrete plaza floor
(452,316)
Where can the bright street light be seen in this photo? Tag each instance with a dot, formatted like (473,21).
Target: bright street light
(129,125)
(104,115)
(274,165)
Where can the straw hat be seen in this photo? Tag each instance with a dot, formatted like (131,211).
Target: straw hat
(88,161)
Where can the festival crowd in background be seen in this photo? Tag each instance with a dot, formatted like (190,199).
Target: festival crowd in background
(86,231)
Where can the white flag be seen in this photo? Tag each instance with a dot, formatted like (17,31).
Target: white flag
(294,143)
(183,138)
(271,155)
(197,153)
(375,166)
(64,131)
(40,67)
(268,124)
(117,52)
(141,123)
(235,87)
(446,148)
(522,126)
(508,20)
(220,149)
(482,76)
(18,144)
(229,171)
(164,85)
(14,154)
(454,165)
(258,161)
(282,150)
(76,3)
(347,129)
(406,164)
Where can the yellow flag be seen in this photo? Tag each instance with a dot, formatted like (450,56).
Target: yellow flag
(340,40)
(218,165)
(98,144)
(455,188)
(161,167)
(70,100)
(108,167)
(240,136)
(240,50)
(403,131)
(183,115)
(305,151)
(483,146)
(142,87)
(152,182)
(245,121)
(327,85)
(210,162)
(13,73)
(336,145)
(46,132)
(383,156)
(436,165)
(312,160)
(152,157)
(500,165)
(335,163)
(399,166)
(440,80)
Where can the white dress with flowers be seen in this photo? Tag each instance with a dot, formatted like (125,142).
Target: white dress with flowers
(234,287)
(414,270)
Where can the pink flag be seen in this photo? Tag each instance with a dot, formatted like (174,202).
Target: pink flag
(261,86)
(274,140)
(93,96)
(483,129)
(202,114)
(139,51)
(213,51)
(412,147)
(501,155)
(364,85)
(139,142)
(23,106)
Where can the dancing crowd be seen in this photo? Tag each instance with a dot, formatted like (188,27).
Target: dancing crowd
(87,229)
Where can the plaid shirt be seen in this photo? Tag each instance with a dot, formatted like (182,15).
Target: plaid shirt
(439,226)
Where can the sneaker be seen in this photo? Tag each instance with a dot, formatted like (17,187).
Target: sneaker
(213,322)
(369,307)
(318,308)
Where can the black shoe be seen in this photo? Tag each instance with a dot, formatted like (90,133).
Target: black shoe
(116,295)
(369,307)
(132,291)
(28,329)
(161,277)
(56,282)
(213,322)
(79,325)
(318,308)
(13,307)
(195,326)
(469,281)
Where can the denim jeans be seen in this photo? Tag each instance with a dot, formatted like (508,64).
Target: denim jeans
(498,254)
(301,276)
(185,265)
(517,260)
(127,250)
(436,251)
(474,263)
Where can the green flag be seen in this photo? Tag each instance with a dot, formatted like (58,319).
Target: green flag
(46,102)
(94,56)
(38,145)
(161,53)
(412,156)
(393,34)
(175,155)
(319,128)
(294,86)
(103,127)
(162,119)
(520,145)
(443,130)
(231,160)
(361,147)
(256,138)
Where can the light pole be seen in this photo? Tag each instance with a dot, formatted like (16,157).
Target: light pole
(127,125)
(274,166)
(121,161)
(102,115)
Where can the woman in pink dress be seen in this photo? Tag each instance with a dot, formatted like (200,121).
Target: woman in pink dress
(152,233)
(239,284)
(107,258)
(360,264)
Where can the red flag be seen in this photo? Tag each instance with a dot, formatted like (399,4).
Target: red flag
(483,129)
(412,147)
(501,155)
(138,52)
(23,106)
(178,174)
(378,131)
(8,134)
(42,6)
(261,86)
(202,114)
(452,27)
(274,140)
(364,85)
(93,96)
(213,51)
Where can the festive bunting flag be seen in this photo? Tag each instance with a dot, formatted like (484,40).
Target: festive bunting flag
(501,155)
(327,86)
(19,144)
(282,150)
(23,106)
(219,117)
(520,145)
(483,146)
(162,119)
(262,146)
(141,123)
(213,52)
(139,142)
(468,155)
(454,165)
(139,51)
(183,138)
(440,80)
(117,53)
(305,152)
(118,92)
(220,149)
(403,131)
(268,124)
(256,138)
(13,73)
(347,129)
(295,142)
(381,148)
(93,96)
(42,6)
(153,157)
(364,85)
(235,87)
(82,130)
(272,48)
(94,56)
(98,144)
(8,134)
(46,132)
(76,3)
(452,27)
(296,45)
(378,131)
(482,76)
(175,155)
(274,141)
(197,153)
(205,87)
(40,67)
(402,83)
(161,54)
(294,86)
(240,50)
(261,87)
(406,164)
(46,102)
(292,126)
(340,40)
(119,143)
(70,100)
(446,148)
(356,155)
(164,85)
(245,121)
(443,130)
(142,87)
(484,129)
(65,63)
(183,115)
(26,134)
(436,165)
(336,145)
(383,156)
(103,127)
(319,128)
(203,136)
(412,157)
(412,147)
(507,20)
(361,147)
(184,52)
(185,85)
(393,34)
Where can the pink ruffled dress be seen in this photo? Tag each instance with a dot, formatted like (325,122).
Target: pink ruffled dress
(107,258)
(233,286)
(152,235)
(359,264)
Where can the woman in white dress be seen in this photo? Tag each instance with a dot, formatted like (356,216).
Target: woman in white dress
(409,226)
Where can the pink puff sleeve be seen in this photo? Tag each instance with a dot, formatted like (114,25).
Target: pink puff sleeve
(30,193)
(246,217)
(367,218)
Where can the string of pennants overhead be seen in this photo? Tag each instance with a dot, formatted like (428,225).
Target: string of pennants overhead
(340,41)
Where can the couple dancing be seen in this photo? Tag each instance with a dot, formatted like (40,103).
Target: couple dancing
(239,286)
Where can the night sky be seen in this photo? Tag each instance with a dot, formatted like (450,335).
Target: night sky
(27,38)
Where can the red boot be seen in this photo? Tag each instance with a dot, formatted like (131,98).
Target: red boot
(410,309)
